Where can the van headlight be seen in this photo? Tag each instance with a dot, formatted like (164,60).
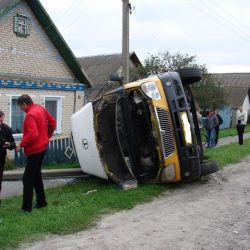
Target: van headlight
(168,173)
(151,90)
(186,127)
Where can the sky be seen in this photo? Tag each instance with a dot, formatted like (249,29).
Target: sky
(216,31)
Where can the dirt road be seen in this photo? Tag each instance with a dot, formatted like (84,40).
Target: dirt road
(202,216)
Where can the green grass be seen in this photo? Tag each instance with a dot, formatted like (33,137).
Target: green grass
(225,132)
(69,210)
(232,131)
(62,165)
(228,154)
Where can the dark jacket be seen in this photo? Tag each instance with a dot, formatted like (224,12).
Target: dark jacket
(6,136)
(211,122)
(220,121)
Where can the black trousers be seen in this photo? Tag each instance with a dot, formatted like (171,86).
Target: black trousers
(217,131)
(2,162)
(32,178)
(240,130)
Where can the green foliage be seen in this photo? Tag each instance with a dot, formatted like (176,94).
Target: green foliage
(164,61)
(9,164)
(208,94)
(137,73)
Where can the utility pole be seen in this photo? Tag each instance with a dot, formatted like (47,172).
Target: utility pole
(125,41)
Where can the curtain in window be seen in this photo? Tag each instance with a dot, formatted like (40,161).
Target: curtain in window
(51,106)
(17,117)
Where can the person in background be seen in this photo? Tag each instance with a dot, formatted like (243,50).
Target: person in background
(211,123)
(241,118)
(38,127)
(6,142)
(217,128)
(199,118)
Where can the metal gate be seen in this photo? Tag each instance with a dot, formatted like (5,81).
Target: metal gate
(55,153)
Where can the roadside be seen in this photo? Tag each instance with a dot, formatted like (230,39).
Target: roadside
(15,188)
(232,131)
(73,208)
(231,139)
(215,215)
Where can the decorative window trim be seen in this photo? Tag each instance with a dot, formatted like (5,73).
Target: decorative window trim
(59,111)
(16,136)
(27,23)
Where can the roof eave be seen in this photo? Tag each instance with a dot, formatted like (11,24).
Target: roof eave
(58,41)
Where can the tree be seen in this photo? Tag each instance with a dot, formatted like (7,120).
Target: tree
(207,93)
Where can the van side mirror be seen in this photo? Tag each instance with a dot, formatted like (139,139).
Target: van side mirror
(116,78)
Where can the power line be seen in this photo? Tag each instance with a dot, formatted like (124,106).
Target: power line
(215,18)
(64,13)
(153,34)
(228,13)
(78,16)
(218,13)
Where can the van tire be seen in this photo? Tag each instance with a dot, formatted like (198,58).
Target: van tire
(190,75)
(209,167)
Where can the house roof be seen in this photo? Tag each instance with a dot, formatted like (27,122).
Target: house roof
(100,67)
(4,4)
(53,33)
(236,86)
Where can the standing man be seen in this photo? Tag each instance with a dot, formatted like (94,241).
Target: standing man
(211,123)
(38,127)
(6,142)
(199,118)
(217,128)
(241,118)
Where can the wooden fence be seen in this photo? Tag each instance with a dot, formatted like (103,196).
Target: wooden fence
(55,153)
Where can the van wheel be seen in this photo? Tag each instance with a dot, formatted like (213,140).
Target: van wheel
(190,75)
(209,167)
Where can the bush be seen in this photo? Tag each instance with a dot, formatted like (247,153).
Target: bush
(9,164)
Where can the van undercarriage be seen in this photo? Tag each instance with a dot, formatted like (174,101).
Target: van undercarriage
(126,121)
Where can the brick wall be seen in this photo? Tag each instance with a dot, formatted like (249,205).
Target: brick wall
(38,97)
(34,56)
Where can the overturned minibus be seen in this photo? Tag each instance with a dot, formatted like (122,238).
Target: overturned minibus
(145,131)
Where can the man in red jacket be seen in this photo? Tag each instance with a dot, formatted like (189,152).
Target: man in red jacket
(38,127)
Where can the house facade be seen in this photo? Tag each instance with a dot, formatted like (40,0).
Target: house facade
(35,60)
(237,93)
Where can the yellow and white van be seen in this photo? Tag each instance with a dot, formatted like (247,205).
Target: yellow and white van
(146,131)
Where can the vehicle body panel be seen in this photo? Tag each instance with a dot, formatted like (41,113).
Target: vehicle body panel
(82,123)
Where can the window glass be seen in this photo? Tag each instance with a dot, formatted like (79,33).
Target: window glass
(53,105)
(22,25)
(17,117)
